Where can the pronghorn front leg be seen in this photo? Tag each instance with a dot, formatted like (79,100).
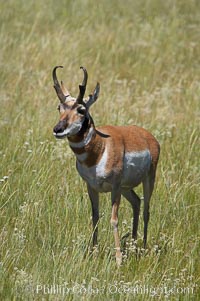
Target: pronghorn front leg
(94,198)
(116,196)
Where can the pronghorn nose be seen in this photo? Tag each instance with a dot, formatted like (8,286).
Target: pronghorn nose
(59,128)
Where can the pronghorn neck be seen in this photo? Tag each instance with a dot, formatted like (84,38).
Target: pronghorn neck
(83,137)
(87,145)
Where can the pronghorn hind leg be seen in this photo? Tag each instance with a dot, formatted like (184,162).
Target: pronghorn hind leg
(116,196)
(135,201)
(94,198)
(148,186)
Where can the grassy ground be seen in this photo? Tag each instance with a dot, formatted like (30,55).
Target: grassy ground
(146,56)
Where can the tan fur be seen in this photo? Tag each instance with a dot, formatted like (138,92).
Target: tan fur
(121,139)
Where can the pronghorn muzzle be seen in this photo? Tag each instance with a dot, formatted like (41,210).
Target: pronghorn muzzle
(59,129)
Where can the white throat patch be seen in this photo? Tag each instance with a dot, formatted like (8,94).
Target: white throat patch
(85,141)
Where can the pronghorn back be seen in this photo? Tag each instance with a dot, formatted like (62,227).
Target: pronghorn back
(134,139)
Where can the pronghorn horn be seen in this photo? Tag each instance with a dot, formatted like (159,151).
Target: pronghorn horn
(82,87)
(93,97)
(61,91)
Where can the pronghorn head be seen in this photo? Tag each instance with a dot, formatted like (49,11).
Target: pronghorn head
(73,111)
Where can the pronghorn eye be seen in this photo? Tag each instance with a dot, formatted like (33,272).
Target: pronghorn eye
(81,110)
(58,107)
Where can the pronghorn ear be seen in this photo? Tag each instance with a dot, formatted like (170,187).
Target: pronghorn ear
(93,97)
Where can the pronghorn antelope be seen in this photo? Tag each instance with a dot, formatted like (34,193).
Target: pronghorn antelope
(109,158)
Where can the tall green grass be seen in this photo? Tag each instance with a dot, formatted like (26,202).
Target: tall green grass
(146,56)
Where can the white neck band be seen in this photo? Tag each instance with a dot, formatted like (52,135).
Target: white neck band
(85,141)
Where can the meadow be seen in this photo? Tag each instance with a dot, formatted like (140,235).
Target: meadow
(146,56)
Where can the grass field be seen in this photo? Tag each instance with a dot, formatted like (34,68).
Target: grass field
(146,55)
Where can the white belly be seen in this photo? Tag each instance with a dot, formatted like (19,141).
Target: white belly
(135,167)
